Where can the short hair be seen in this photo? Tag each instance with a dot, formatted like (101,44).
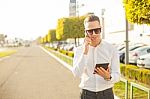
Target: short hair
(91,18)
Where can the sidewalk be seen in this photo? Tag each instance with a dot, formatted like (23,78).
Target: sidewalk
(33,74)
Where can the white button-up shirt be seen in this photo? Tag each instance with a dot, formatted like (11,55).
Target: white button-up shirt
(83,66)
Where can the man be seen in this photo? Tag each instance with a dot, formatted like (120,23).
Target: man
(96,83)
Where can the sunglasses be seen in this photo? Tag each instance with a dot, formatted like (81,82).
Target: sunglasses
(96,31)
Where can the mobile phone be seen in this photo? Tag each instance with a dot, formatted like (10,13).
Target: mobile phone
(103,65)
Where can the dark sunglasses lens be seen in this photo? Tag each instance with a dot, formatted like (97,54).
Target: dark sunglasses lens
(90,32)
(97,31)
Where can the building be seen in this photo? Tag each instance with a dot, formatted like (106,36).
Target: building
(72,8)
(2,39)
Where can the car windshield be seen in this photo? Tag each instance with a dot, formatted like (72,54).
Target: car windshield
(131,48)
(142,48)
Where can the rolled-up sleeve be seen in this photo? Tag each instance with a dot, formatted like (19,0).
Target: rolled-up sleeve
(79,62)
(115,67)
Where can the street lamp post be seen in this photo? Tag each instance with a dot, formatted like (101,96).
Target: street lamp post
(103,25)
(127,43)
(77,14)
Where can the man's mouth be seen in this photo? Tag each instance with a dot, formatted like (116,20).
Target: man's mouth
(93,38)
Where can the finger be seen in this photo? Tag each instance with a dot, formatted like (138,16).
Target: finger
(100,71)
(87,39)
(108,69)
(96,71)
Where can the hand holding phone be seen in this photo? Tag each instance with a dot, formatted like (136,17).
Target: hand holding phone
(87,41)
(103,65)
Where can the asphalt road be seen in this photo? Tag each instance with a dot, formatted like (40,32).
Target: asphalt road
(33,74)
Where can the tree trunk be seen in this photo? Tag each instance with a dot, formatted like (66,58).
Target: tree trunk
(75,41)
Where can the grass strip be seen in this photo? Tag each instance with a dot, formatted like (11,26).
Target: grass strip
(7,53)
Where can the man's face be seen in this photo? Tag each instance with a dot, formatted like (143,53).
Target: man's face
(93,30)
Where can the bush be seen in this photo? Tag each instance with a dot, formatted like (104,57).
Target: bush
(122,69)
(71,54)
(134,73)
(130,71)
(146,77)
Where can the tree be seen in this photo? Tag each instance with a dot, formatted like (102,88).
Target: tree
(52,33)
(2,39)
(60,29)
(70,28)
(137,11)
(48,37)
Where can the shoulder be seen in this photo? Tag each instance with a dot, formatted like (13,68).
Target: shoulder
(78,48)
(110,47)
(107,44)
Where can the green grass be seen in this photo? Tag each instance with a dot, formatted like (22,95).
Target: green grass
(67,60)
(119,90)
(7,53)
(59,55)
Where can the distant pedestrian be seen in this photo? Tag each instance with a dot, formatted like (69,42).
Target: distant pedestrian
(96,82)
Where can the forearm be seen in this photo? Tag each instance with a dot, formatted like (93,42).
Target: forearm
(78,65)
(115,77)
(115,69)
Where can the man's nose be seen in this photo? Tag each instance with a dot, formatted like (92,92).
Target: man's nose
(93,32)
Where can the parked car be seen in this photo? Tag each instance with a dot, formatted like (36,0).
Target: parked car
(121,47)
(144,61)
(131,48)
(27,44)
(135,54)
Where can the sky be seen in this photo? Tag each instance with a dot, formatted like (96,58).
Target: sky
(29,19)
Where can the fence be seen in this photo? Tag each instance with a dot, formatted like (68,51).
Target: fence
(139,87)
(126,87)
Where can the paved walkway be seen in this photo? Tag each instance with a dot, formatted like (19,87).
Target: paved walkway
(33,74)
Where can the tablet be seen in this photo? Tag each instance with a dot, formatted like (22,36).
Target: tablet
(103,65)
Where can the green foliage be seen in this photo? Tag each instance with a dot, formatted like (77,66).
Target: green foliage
(137,74)
(137,11)
(45,39)
(59,29)
(122,69)
(70,28)
(68,53)
(71,54)
(146,75)
(64,52)
(52,35)
(130,71)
